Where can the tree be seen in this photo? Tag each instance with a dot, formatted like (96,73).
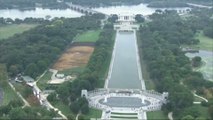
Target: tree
(71,117)
(75,107)
(15,103)
(85,109)
(196,61)
(27,92)
(113,18)
(139,18)
(18,114)
(208,31)
(52,97)
(32,70)
(13,70)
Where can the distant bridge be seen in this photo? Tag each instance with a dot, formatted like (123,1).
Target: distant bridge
(81,9)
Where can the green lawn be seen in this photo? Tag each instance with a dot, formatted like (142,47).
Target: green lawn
(71,71)
(42,83)
(94,113)
(8,93)
(10,30)
(64,108)
(89,36)
(202,110)
(156,115)
(206,43)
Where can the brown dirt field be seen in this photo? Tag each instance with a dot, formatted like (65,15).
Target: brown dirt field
(75,56)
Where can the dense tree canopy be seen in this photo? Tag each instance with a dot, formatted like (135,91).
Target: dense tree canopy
(166,63)
(33,51)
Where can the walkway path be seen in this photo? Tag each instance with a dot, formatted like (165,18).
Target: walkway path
(170,115)
(43,98)
(200,98)
(25,102)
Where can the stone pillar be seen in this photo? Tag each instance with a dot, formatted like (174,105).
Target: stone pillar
(105,99)
(84,93)
(142,100)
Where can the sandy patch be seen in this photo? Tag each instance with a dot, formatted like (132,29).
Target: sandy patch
(74,57)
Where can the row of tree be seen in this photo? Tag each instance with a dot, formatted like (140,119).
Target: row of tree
(6,21)
(169,68)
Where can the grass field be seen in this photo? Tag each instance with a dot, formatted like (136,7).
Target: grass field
(64,108)
(10,30)
(203,111)
(89,36)
(42,83)
(156,115)
(206,43)
(8,93)
(76,71)
(94,113)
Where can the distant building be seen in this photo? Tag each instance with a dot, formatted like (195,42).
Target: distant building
(60,76)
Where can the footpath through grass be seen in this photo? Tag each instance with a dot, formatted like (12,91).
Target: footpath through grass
(89,36)
(8,93)
(42,83)
(10,30)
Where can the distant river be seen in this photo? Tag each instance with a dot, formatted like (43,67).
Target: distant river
(41,13)
(38,13)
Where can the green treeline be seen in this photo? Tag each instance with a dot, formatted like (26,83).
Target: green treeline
(69,92)
(201,19)
(169,68)
(33,51)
